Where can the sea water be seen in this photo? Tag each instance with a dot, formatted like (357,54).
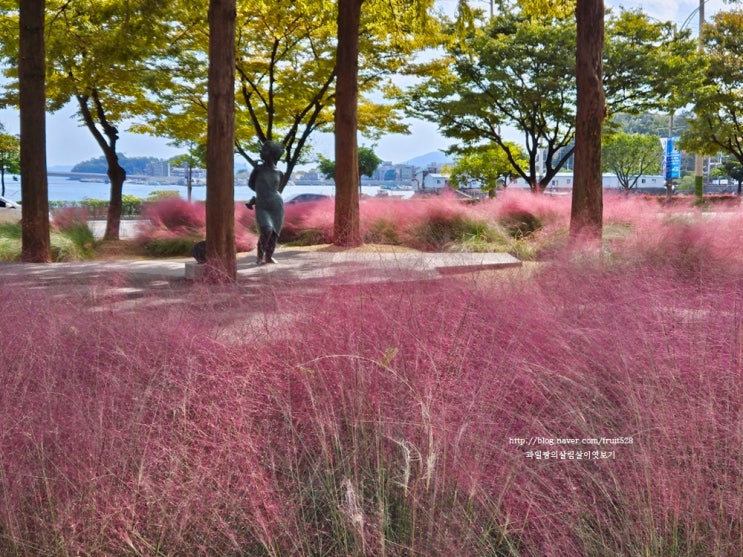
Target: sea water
(64,189)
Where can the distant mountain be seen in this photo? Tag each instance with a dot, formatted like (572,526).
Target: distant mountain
(434,157)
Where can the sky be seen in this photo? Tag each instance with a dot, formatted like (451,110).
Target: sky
(68,143)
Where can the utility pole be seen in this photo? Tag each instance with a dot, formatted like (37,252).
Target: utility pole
(699,159)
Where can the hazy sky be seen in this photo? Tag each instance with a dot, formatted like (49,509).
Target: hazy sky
(68,143)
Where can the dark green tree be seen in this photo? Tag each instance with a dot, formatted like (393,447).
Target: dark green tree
(734,170)
(630,155)
(368,163)
(10,156)
(718,122)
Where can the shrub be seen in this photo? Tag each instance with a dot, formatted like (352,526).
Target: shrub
(308,223)
(174,246)
(131,206)
(176,214)
(74,243)
(81,238)
(66,218)
(159,195)
(175,224)
(96,208)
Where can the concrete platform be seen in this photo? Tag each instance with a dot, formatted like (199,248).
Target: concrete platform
(364,266)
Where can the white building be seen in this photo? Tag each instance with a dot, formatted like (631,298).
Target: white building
(432,181)
(563,181)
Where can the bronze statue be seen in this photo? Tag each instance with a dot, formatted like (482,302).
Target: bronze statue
(267,182)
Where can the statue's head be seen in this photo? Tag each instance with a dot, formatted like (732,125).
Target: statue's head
(271,151)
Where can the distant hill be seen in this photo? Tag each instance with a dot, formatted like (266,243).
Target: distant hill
(434,157)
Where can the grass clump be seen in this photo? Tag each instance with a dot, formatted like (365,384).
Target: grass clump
(74,242)
(173,225)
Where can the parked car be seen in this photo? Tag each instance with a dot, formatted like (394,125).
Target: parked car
(305,198)
(8,204)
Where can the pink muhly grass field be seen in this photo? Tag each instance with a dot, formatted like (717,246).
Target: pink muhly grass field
(394,419)
(384,420)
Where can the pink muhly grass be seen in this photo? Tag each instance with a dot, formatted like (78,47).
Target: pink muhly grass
(309,223)
(175,219)
(547,208)
(380,419)
(175,213)
(67,218)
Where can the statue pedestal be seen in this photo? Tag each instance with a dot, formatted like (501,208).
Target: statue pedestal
(195,271)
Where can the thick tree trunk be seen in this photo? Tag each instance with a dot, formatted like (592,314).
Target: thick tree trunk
(347,226)
(220,159)
(587,203)
(34,187)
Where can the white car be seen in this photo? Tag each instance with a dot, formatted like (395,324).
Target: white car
(8,204)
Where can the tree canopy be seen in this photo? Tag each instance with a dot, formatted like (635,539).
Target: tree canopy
(98,55)
(518,71)
(10,156)
(718,122)
(286,73)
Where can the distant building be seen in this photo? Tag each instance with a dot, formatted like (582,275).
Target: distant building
(157,168)
(432,181)
(563,181)
(388,172)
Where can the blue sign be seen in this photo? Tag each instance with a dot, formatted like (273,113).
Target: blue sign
(671,159)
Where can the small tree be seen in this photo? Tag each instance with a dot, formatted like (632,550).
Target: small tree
(195,158)
(484,167)
(734,170)
(718,125)
(631,155)
(368,164)
(10,156)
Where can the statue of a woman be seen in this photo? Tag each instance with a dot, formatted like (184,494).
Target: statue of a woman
(266,181)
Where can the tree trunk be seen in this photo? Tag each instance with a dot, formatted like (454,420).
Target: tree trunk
(221,256)
(107,142)
(347,226)
(35,240)
(116,175)
(587,202)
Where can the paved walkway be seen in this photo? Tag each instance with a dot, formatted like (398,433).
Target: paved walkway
(293,264)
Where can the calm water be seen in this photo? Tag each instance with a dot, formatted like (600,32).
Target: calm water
(62,189)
